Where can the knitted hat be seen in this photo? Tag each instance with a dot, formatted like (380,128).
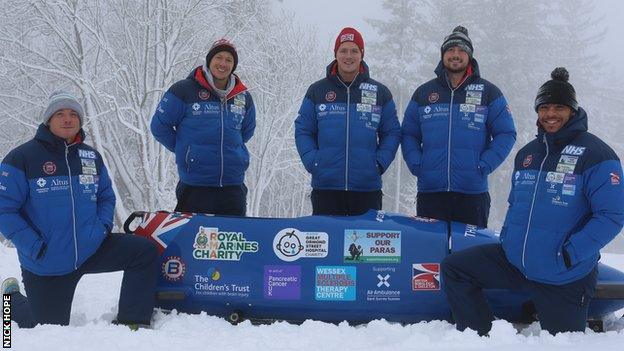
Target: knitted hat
(460,38)
(349,34)
(222,45)
(557,90)
(60,100)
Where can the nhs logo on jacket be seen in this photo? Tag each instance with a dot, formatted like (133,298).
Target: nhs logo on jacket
(573,150)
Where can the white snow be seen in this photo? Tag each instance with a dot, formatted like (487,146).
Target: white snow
(95,306)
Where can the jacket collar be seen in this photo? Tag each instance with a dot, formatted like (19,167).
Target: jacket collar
(45,135)
(331,72)
(472,73)
(198,75)
(576,125)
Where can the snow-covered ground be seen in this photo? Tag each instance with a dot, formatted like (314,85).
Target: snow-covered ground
(95,305)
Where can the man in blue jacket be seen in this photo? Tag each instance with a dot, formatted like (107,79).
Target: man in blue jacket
(457,130)
(206,119)
(56,207)
(347,133)
(566,203)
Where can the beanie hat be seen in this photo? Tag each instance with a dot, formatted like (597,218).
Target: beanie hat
(60,100)
(349,34)
(557,90)
(460,38)
(222,45)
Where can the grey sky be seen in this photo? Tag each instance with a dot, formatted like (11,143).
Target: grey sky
(329,16)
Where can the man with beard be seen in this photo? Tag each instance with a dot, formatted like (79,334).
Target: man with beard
(566,203)
(457,130)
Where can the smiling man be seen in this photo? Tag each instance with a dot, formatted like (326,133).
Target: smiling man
(566,203)
(457,130)
(206,120)
(347,133)
(56,207)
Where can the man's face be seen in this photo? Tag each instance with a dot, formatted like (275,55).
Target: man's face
(349,58)
(455,60)
(65,124)
(553,117)
(221,65)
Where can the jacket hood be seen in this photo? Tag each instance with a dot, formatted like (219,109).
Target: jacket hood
(197,74)
(577,124)
(440,71)
(44,134)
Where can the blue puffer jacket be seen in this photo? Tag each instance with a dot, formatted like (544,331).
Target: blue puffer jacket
(454,138)
(565,196)
(56,195)
(206,134)
(347,136)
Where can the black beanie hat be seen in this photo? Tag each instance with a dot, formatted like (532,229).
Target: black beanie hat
(557,90)
(222,45)
(460,38)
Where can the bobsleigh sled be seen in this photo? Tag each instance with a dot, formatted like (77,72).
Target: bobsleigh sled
(328,268)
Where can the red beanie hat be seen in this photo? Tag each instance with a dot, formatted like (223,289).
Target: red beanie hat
(349,34)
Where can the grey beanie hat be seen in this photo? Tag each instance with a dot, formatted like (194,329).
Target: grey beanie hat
(61,100)
(460,38)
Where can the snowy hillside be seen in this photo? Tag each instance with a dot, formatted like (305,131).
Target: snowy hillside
(95,305)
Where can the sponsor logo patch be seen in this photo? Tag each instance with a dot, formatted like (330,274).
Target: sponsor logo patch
(212,244)
(49,168)
(282,282)
(615,178)
(372,246)
(433,97)
(330,96)
(173,268)
(528,159)
(425,276)
(573,150)
(204,94)
(335,283)
(291,244)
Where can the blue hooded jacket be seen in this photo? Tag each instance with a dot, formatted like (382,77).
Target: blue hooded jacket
(347,135)
(206,134)
(56,202)
(453,138)
(566,199)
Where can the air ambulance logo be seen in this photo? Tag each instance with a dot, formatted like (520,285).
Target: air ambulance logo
(425,276)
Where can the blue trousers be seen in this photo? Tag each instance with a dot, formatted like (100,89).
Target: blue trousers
(560,308)
(49,298)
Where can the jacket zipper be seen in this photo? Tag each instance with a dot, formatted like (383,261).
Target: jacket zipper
(186,158)
(537,180)
(347,143)
(223,107)
(71,195)
(448,169)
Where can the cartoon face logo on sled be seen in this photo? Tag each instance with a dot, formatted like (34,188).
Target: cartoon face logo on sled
(290,244)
